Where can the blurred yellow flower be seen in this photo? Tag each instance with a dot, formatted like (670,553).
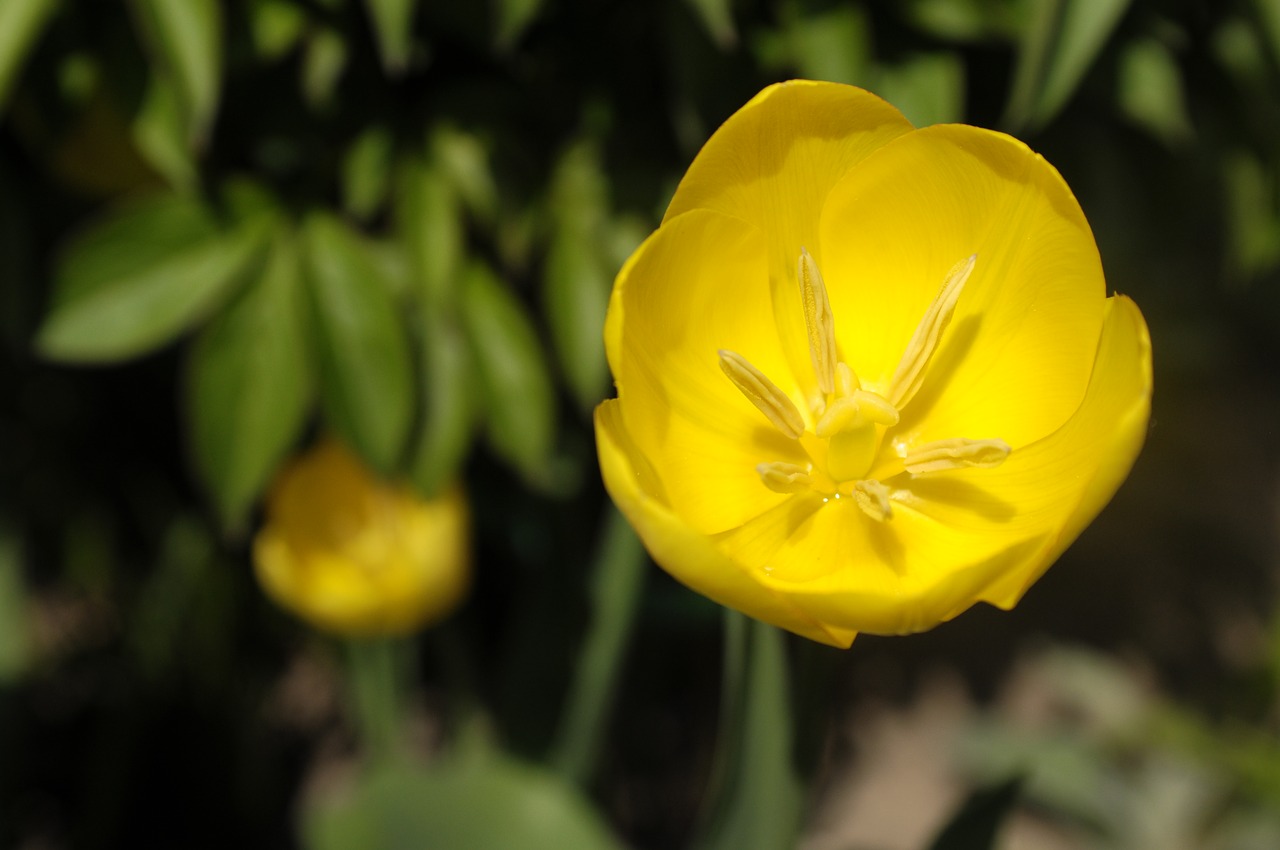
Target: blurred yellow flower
(356,556)
(867,374)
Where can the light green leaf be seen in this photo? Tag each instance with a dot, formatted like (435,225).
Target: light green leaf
(250,385)
(830,45)
(1058,46)
(514,379)
(323,62)
(141,277)
(21,23)
(717,17)
(969,20)
(275,26)
(366,386)
(429,227)
(448,414)
(464,161)
(475,804)
(366,172)
(186,38)
(928,88)
(1150,91)
(393,26)
(160,136)
(577,274)
(514,17)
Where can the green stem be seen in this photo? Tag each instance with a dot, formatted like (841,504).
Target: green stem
(755,798)
(375,684)
(617,582)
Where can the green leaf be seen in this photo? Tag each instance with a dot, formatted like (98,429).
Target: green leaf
(276,26)
(1060,43)
(464,161)
(138,279)
(1150,91)
(717,17)
(186,38)
(250,385)
(449,409)
(975,825)
(475,804)
(514,17)
(577,275)
(366,172)
(516,385)
(21,23)
(429,227)
(366,386)
(160,136)
(323,62)
(393,26)
(830,45)
(757,798)
(928,88)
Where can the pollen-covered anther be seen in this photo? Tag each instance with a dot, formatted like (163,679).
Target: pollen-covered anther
(763,393)
(873,498)
(909,375)
(956,454)
(784,477)
(818,322)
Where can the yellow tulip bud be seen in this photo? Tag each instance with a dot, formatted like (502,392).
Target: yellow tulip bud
(356,555)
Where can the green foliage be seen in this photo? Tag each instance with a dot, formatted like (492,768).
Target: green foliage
(251,384)
(366,373)
(976,824)
(142,276)
(21,22)
(479,803)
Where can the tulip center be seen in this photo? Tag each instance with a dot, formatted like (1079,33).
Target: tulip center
(849,422)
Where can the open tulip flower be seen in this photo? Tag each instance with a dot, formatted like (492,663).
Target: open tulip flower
(868,375)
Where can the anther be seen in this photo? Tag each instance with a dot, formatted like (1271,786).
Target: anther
(958,453)
(818,321)
(910,372)
(784,477)
(873,498)
(763,393)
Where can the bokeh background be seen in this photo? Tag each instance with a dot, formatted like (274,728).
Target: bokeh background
(227,228)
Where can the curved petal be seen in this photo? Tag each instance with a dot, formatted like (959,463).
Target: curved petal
(697,286)
(773,162)
(1017,356)
(981,535)
(688,555)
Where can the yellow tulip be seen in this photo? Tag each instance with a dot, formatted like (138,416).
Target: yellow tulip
(868,375)
(357,556)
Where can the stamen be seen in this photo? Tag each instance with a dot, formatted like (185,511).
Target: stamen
(873,498)
(784,477)
(956,454)
(763,393)
(910,372)
(818,320)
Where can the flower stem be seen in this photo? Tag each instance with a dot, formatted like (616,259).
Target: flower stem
(616,585)
(755,797)
(374,677)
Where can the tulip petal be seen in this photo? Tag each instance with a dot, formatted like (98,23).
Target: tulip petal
(693,288)
(976,535)
(772,163)
(688,555)
(1016,358)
